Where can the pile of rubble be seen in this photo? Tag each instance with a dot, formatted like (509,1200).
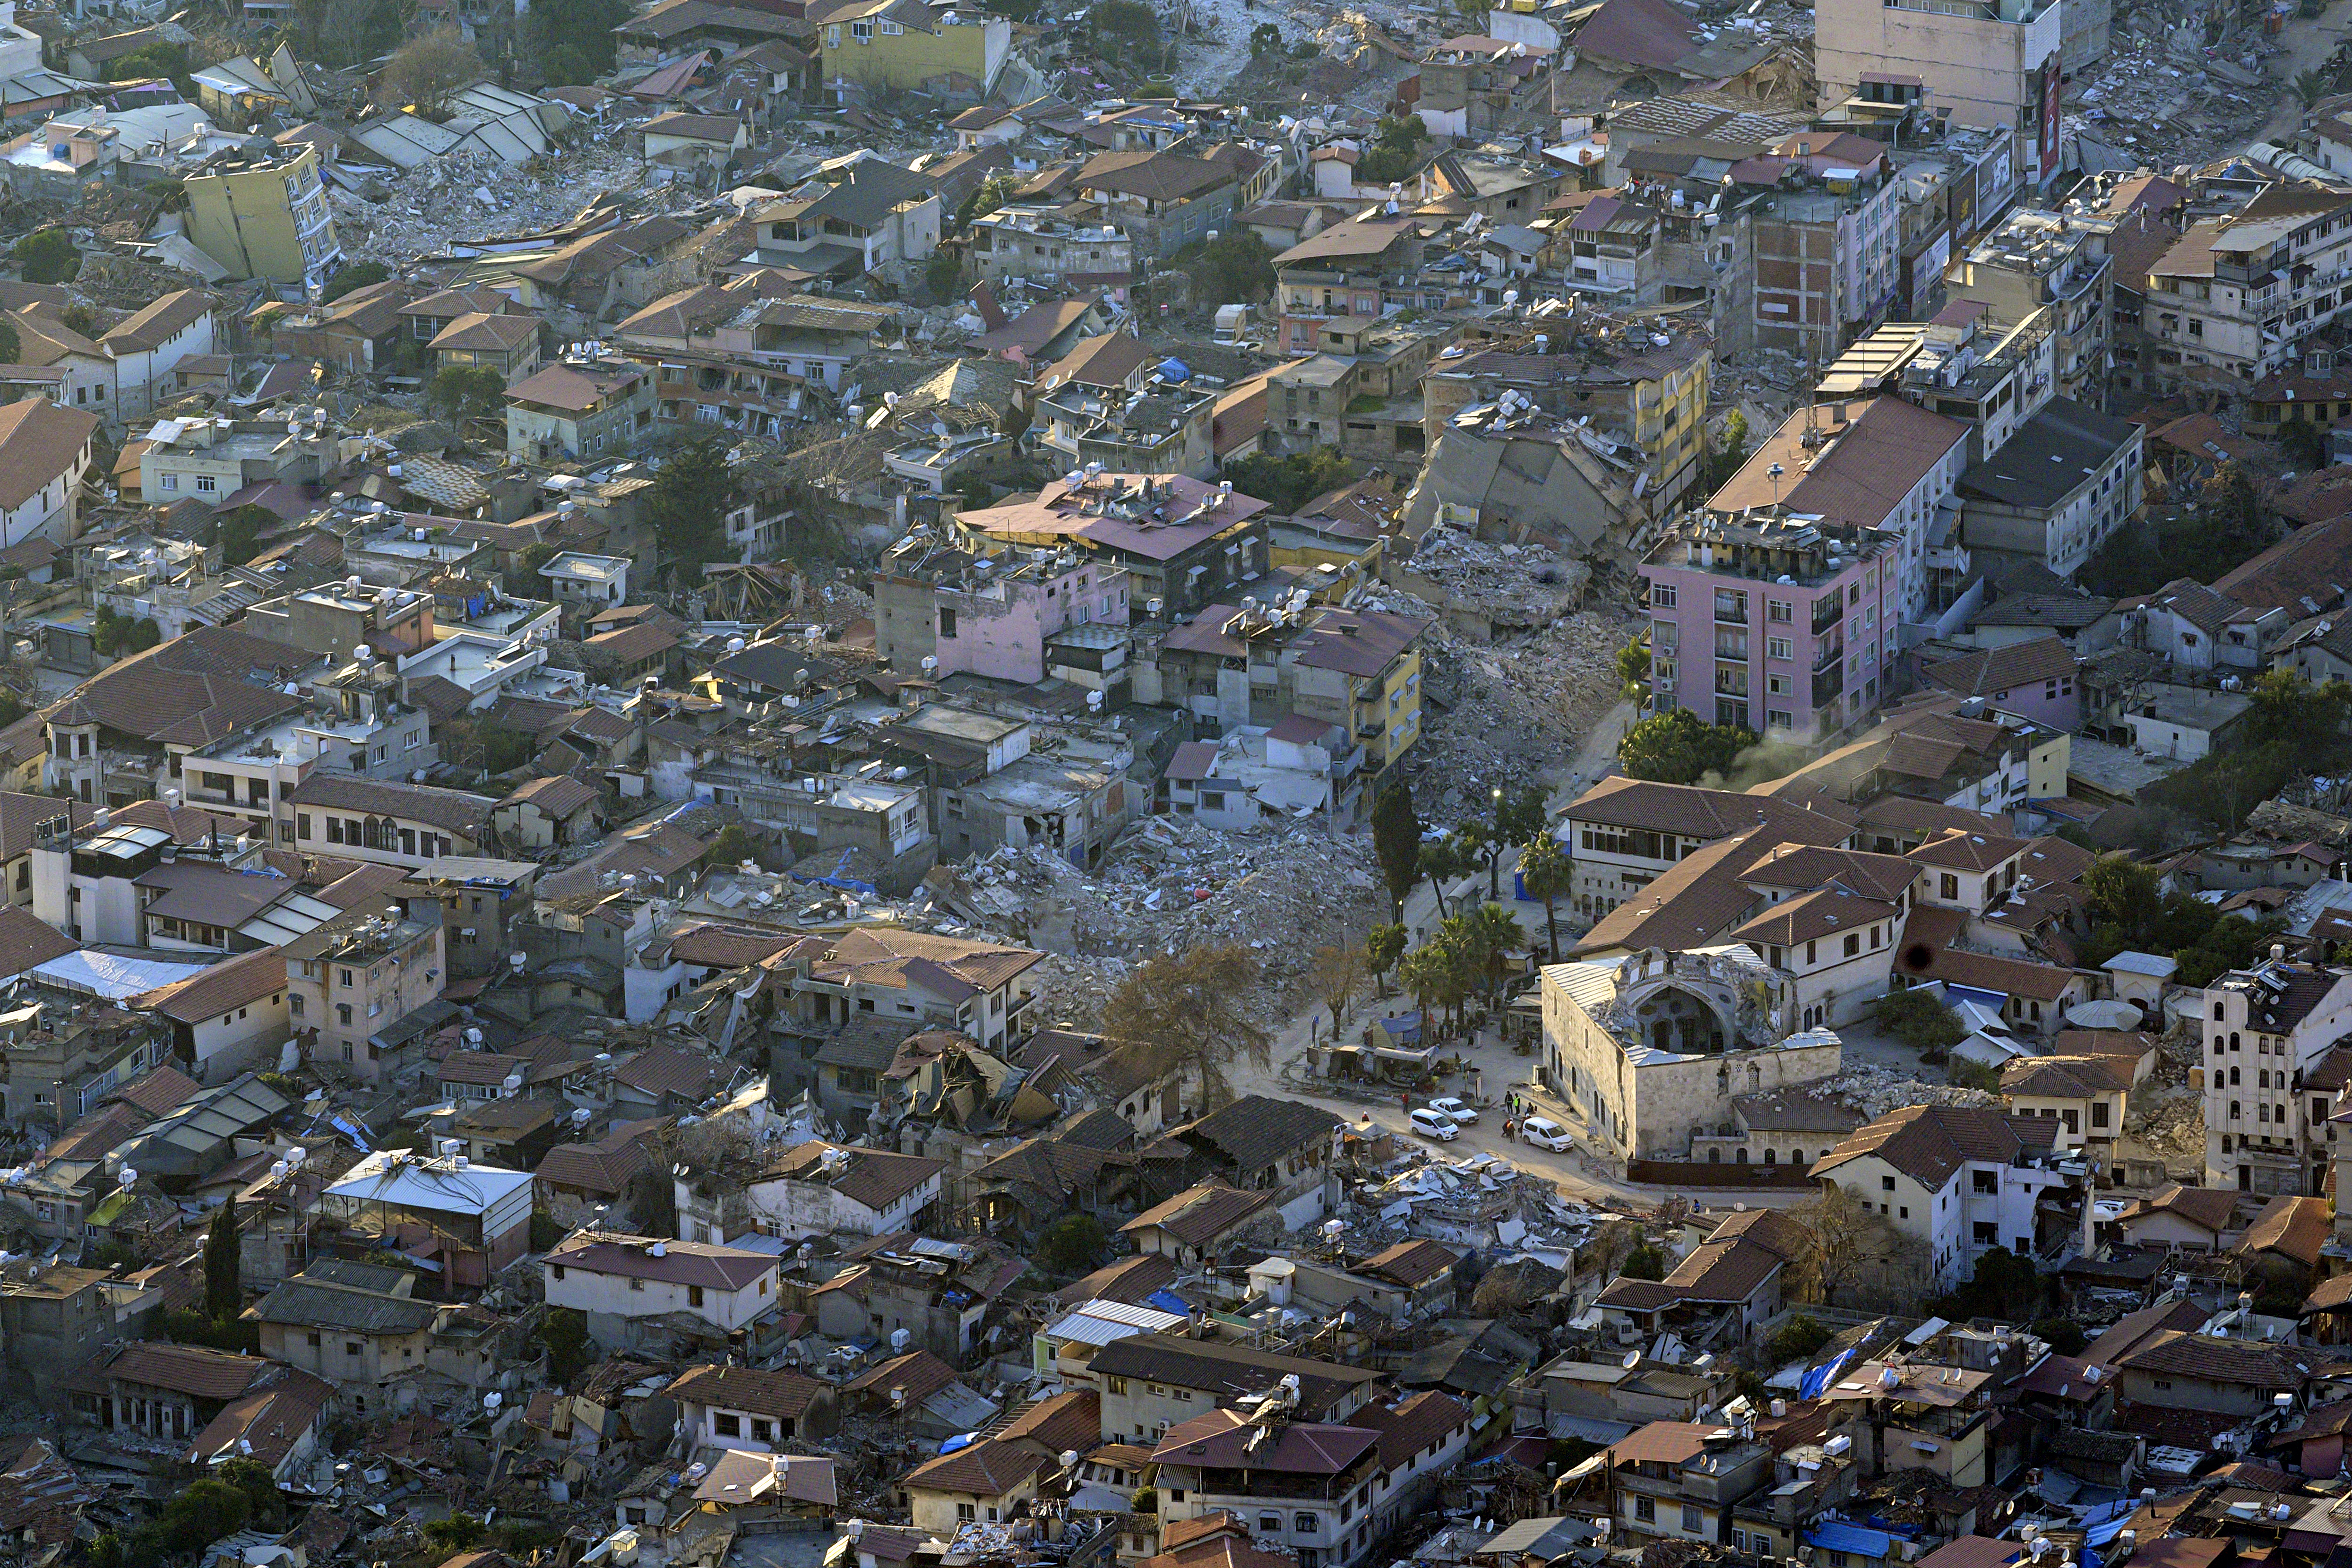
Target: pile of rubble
(1511,713)
(2163,96)
(1872,1092)
(396,219)
(1169,885)
(2168,1121)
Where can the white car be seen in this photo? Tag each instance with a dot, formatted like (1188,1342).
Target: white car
(1435,1124)
(1460,1110)
(1546,1133)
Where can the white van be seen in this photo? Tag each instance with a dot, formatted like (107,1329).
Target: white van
(1435,1124)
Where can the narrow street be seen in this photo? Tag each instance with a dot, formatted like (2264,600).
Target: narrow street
(2309,41)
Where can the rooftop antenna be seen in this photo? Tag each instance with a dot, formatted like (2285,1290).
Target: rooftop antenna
(1774,473)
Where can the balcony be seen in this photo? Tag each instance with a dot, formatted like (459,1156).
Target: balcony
(1828,685)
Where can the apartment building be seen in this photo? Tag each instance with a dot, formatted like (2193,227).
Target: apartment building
(1467,84)
(354,978)
(938,611)
(1309,1486)
(1625,380)
(1183,543)
(1772,622)
(2057,490)
(904,46)
(1028,242)
(2038,261)
(1824,229)
(1996,65)
(262,212)
(387,822)
(2267,1031)
(583,407)
(1351,269)
(2234,296)
(1255,665)
(1678,1481)
(1162,201)
(1962,1181)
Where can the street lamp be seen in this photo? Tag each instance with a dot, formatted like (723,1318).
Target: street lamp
(1494,851)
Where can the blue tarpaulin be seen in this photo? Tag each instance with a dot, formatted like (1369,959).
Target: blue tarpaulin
(2106,1523)
(1175,370)
(1818,1379)
(1841,1535)
(1169,1301)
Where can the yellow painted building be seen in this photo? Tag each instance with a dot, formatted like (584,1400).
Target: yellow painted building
(903,46)
(264,215)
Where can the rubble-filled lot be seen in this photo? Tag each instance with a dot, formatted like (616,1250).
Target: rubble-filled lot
(1511,713)
(1169,885)
(2162,96)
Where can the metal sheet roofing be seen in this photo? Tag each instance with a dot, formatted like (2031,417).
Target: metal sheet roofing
(1099,1322)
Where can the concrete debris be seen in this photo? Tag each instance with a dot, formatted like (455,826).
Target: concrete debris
(1169,885)
(1872,1092)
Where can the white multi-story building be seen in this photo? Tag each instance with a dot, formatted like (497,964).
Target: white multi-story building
(1961,1179)
(2238,295)
(2267,1032)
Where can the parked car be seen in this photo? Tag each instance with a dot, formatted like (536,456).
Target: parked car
(1435,1124)
(1460,1110)
(1546,1133)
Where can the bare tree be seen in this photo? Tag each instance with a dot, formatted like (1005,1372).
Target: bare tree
(1339,972)
(1186,1010)
(1854,1248)
(426,70)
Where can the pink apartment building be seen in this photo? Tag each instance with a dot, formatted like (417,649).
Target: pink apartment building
(1775,623)
(1019,614)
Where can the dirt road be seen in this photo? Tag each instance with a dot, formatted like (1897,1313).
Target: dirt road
(2309,42)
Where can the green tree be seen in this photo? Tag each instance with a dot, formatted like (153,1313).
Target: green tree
(733,846)
(224,1290)
(12,347)
(1265,38)
(1395,153)
(1919,1020)
(1725,458)
(1384,945)
(239,532)
(2234,506)
(1548,874)
(1128,26)
(355,275)
(689,504)
(1675,747)
(464,392)
(564,1332)
(1488,936)
(2288,710)
(1286,484)
(1444,860)
(585,26)
(1234,269)
(565,66)
(252,1477)
(2126,895)
(156,59)
(459,1533)
(1396,843)
(2310,86)
(47,256)
(1072,1244)
(1796,1339)
(941,273)
(2064,1336)
(202,1514)
(1633,671)
(1644,1262)
(1189,1011)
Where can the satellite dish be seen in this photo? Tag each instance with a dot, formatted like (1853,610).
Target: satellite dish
(1633,1359)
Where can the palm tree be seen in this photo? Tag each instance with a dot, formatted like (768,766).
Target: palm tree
(1440,861)
(1422,973)
(2311,86)
(1488,934)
